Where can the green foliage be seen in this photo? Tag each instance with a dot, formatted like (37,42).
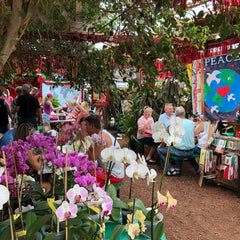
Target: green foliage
(158,231)
(35,225)
(117,231)
(55,102)
(37,192)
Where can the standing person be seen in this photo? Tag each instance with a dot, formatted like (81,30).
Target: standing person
(144,125)
(19,92)
(35,92)
(185,149)
(47,109)
(28,107)
(6,96)
(4,113)
(168,113)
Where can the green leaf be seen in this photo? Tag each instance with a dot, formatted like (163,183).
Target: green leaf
(117,231)
(4,224)
(6,234)
(119,204)
(111,190)
(158,231)
(42,206)
(139,205)
(30,218)
(37,187)
(50,236)
(37,225)
(117,185)
(115,213)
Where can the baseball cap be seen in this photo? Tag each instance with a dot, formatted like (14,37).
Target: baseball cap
(49,95)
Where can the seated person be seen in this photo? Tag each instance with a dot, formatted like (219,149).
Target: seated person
(93,125)
(81,110)
(80,142)
(185,149)
(34,159)
(70,107)
(167,115)
(201,131)
(144,124)
(7,137)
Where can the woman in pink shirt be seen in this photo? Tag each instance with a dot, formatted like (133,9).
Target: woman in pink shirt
(47,109)
(144,125)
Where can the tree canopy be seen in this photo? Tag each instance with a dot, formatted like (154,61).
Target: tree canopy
(59,37)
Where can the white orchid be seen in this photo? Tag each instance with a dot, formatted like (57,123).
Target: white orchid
(175,134)
(4,196)
(29,207)
(158,126)
(176,128)
(1,171)
(160,136)
(107,154)
(125,155)
(137,170)
(152,174)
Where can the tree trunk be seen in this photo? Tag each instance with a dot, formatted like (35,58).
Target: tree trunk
(12,35)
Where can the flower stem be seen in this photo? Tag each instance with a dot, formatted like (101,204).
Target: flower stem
(133,210)
(109,170)
(165,167)
(152,212)
(130,192)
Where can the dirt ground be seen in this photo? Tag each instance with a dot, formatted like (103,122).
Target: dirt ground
(202,213)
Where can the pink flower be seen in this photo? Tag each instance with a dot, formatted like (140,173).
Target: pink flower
(77,194)
(107,206)
(66,211)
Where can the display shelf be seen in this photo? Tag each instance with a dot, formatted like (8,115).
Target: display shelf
(230,148)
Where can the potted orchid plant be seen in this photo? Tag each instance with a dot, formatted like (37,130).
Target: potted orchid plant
(135,169)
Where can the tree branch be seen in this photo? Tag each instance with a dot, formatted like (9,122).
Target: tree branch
(12,36)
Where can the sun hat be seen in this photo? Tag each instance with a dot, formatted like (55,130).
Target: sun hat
(49,95)
(26,87)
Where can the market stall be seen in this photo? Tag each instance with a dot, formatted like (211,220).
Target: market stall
(215,89)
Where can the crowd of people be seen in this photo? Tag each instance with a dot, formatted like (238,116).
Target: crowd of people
(26,114)
(187,147)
